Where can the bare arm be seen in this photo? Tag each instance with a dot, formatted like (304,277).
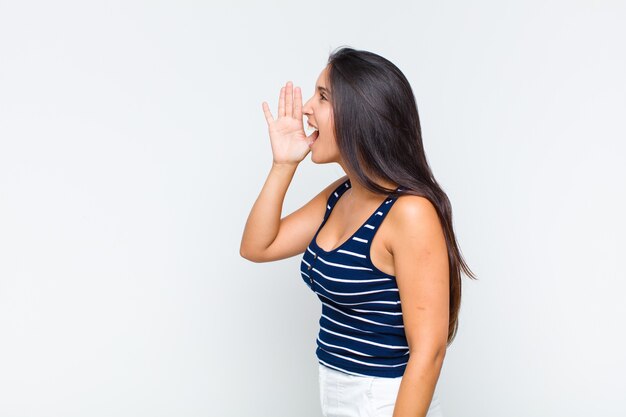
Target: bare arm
(266,236)
(421,265)
(264,219)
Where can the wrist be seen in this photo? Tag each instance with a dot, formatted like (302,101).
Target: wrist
(289,165)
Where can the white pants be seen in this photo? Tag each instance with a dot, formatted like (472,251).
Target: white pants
(345,395)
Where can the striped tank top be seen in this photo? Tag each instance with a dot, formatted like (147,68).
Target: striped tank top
(361,327)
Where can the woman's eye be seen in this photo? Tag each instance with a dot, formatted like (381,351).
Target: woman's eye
(322,97)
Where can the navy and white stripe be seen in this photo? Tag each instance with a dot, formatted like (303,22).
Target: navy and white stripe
(361,326)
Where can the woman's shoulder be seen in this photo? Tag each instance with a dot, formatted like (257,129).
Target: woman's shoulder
(412,211)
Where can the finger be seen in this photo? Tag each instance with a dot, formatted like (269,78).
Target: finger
(297,97)
(268,114)
(281,103)
(289,100)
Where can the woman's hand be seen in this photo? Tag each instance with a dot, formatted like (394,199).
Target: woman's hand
(290,143)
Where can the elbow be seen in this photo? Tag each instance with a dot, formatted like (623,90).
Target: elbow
(249,256)
(440,356)
(244,254)
(434,355)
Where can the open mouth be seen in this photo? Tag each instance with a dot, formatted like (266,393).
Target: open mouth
(314,135)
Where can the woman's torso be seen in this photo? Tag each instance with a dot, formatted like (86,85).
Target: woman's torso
(361,327)
(380,255)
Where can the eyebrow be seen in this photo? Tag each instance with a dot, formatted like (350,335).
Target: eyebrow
(319,87)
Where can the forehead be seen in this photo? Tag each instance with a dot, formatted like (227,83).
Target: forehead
(321,79)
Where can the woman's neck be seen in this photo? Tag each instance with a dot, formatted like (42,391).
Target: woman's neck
(358,192)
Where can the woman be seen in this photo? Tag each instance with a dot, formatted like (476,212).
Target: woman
(390,305)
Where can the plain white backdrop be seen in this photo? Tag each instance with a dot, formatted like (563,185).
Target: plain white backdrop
(133,145)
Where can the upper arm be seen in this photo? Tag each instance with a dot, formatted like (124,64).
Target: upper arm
(297,229)
(420,258)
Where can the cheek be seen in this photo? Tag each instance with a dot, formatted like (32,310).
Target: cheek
(329,128)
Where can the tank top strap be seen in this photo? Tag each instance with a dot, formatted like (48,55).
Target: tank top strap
(381,212)
(334,196)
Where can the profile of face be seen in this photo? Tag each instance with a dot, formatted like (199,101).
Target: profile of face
(319,112)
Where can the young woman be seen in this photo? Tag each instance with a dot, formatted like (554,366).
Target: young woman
(377,245)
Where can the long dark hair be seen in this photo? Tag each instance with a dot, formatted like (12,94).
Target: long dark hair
(378,133)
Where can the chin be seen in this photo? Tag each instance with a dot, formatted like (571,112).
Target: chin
(316,159)
(319,158)
(320,161)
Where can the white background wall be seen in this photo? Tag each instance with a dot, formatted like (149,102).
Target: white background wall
(133,145)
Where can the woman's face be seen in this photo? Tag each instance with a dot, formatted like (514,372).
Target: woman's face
(319,112)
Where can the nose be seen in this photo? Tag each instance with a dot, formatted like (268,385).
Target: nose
(306,109)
